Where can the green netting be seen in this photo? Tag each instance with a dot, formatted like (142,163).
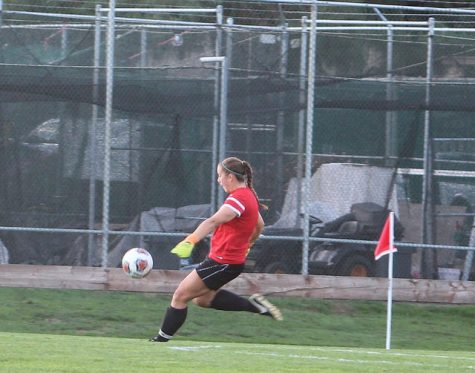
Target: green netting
(52,100)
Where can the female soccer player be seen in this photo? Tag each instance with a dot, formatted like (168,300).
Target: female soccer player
(235,226)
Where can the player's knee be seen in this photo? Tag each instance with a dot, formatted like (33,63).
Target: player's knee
(202,302)
(180,297)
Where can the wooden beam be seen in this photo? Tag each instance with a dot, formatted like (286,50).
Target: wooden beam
(165,281)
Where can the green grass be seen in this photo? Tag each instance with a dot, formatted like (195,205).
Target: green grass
(43,330)
(62,353)
(310,322)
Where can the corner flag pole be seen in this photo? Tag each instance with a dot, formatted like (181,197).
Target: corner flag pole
(390,281)
(386,246)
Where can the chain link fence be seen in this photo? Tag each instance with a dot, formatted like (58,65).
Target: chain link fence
(101,154)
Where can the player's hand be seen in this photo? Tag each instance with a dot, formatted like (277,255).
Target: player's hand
(183,249)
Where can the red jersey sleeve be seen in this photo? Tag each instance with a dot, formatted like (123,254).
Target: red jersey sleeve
(235,205)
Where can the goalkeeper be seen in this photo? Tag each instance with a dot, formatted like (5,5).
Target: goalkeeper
(234,227)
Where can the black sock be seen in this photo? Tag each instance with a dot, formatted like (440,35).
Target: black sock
(226,301)
(174,319)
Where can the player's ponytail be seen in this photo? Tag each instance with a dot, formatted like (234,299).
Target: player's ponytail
(243,172)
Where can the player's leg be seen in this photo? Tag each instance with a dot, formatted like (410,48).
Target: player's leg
(216,275)
(192,286)
(228,301)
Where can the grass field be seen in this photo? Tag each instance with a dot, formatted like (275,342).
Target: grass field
(44,330)
(59,353)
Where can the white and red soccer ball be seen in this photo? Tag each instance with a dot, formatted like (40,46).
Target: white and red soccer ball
(137,262)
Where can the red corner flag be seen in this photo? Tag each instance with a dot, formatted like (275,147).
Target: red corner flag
(385,243)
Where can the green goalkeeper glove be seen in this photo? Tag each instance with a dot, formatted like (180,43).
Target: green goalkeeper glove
(184,248)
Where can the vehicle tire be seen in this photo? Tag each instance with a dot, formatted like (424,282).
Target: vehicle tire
(276,268)
(355,265)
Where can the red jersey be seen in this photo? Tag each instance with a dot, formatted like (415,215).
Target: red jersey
(230,241)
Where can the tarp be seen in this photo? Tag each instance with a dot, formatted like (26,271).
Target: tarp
(334,187)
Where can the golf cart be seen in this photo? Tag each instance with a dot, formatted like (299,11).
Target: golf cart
(363,222)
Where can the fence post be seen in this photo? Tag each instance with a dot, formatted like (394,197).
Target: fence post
(309,134)
(92,135)
(107,130)
(300,134)
(428,256)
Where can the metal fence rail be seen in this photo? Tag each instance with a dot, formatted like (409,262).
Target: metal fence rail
(106,130)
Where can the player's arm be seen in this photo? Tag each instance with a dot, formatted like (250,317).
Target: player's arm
(223,215)
(185,247)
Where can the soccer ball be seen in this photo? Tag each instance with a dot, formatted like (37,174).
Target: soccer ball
(137,263)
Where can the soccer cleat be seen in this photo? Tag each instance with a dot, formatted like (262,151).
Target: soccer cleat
(265,307)
(158,338)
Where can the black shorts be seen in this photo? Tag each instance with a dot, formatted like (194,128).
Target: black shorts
(216,275)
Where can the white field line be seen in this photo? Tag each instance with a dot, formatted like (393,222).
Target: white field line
(386,353)
(340,360)
(346,360)
(192,348)
(392,353)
